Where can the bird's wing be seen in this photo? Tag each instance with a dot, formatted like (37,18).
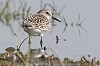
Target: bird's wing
(29,21)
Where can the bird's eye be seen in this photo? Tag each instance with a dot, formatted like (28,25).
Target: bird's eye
(47,12)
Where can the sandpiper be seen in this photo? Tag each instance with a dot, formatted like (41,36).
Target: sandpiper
(37,24)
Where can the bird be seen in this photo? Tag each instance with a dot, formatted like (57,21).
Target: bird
(39,23)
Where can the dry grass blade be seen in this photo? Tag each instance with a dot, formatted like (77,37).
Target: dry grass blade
(53,2)
(61,10)
(78,18)
(1,16)
(83,21)
(16,14)
(83,29)
(11,29)
(79,30)
(7,18)
(80,24)
(41,4)
(65,24)
(47,4)
(25,10)
(28,11)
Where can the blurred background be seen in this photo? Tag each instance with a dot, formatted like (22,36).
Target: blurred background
(78,31)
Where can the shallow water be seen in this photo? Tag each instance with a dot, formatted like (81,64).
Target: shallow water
(75,46)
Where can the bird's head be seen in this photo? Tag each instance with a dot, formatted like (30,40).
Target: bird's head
(48,14)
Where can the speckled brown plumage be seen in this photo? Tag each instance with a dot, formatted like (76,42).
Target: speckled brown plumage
(36,22)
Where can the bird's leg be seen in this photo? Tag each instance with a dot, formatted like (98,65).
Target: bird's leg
(41,42)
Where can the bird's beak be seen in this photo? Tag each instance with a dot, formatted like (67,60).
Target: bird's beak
(56,19)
